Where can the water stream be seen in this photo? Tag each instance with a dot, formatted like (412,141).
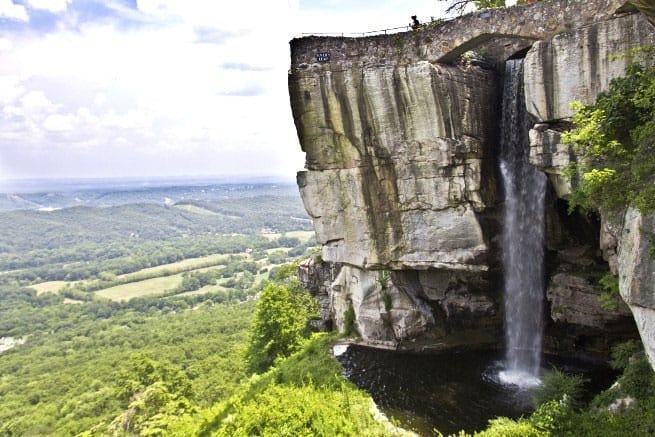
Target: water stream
(522,238)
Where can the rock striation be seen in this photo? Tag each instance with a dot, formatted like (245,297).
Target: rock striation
(578,65)
(402,183)
(636,268)
(400,176)
(395,159)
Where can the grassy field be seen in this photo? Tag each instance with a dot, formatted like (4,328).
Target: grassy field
(141,288)
(155,286)
(179,266)
(195,209)
(301,235)
(204,290)
(49,287)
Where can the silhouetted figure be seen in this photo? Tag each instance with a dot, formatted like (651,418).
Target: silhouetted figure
(415,24)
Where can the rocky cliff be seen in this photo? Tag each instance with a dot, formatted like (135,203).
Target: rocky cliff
(401,177)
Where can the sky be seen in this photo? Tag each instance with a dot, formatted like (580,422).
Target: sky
(155,88)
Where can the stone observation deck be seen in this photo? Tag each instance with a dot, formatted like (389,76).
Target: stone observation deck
(445,42)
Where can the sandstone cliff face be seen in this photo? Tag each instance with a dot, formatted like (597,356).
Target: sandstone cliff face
(402,158)
(396,157)
(577,66)
(636,266)
(400,176)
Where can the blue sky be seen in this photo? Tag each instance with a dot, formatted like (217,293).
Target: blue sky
(112,88)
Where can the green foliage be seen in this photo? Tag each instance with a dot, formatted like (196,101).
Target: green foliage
(504,427)
(80,371)
(302,411)
(615,140)
(277,257)
(609,297)
(556,386)
(638,379)
(384,276)
(151,411)
(622,353)
(551,415)
(461,6)
(484,4)
(304,394)
(388,301)
(349,320)
(142,371)
(281,321)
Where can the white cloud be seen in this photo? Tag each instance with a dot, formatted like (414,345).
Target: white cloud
(10,89)
(202,88)
(5,45)
(100,99)
(60,123)
(37,104)
(54,6)
(12,11)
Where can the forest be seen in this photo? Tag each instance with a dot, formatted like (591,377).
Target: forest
(91,296)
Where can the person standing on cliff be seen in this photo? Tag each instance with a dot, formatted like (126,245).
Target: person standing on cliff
(415,24)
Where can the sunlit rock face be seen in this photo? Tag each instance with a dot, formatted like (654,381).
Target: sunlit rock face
(400,177)
(578,65)
(399,163)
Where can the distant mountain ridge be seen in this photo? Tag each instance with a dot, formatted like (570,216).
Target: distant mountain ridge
(48,195)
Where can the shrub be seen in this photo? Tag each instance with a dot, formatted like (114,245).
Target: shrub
(615,140)
(556,386)
(349,319)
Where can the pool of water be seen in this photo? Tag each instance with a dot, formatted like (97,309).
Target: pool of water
(450,391)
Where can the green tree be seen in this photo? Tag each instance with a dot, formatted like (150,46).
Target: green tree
(460,6)
(280,323)
(615,141)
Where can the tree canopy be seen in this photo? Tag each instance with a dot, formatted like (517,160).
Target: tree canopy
(615,140)
(281,322)
(459,6)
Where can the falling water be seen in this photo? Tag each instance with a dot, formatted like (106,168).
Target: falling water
(523,238)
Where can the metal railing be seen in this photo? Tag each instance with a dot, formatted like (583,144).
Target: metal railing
(392,30)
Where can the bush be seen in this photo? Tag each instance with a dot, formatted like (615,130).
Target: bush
(615,141)
(556,386)
(609,297)
(349,319)
(504,427)
(621,353)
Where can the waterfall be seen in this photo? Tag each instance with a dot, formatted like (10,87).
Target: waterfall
(522,239)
